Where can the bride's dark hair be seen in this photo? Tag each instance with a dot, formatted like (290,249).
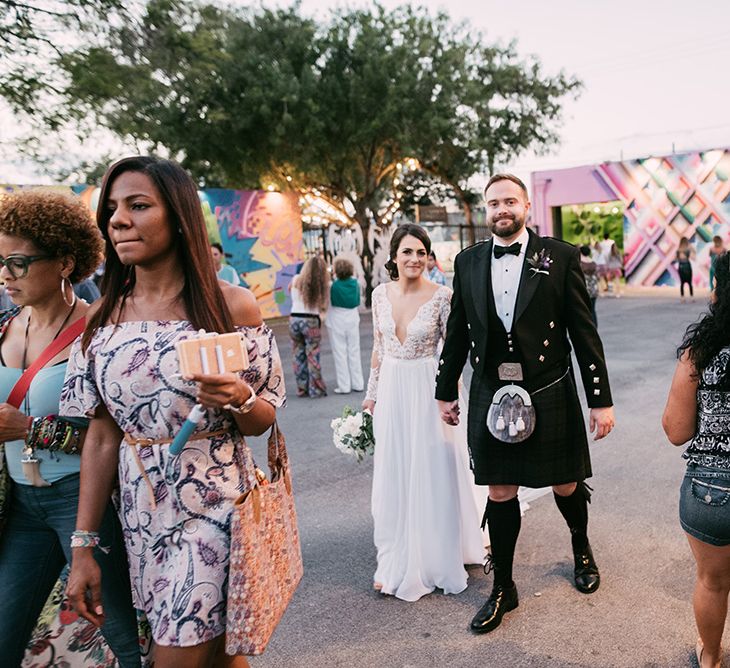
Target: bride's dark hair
(707,337)
(407,230)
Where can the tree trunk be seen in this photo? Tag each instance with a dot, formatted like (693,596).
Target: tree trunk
(367,257)
(469,222)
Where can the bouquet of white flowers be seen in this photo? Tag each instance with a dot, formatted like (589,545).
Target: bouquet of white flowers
(353,433)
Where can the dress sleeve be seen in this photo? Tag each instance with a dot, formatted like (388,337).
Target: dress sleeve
(264,373)
(372,391)
(444,310)
(80,394)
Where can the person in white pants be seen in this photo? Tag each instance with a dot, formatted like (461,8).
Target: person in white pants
(343,323)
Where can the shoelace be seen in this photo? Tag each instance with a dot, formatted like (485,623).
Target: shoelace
(488,564)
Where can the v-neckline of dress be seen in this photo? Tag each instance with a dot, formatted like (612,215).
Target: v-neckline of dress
(418,311)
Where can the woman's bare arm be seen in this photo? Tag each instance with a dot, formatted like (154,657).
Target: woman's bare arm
(680,414)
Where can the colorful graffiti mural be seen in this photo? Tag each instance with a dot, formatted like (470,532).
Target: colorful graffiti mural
(664,198)
(261,231)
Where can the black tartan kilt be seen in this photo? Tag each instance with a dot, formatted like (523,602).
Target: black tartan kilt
(554,454)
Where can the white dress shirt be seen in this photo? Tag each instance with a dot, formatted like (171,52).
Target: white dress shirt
(506,272)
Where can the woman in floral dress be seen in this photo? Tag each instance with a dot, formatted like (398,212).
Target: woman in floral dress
(160,287)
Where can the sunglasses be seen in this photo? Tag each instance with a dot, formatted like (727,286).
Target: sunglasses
(17,265)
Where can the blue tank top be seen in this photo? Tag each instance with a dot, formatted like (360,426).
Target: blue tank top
(41,400)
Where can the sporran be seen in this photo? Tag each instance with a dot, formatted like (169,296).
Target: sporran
(511,417)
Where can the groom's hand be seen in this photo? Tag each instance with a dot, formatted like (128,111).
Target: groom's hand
(602,422)
(449,411)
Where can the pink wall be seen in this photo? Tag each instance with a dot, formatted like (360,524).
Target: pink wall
(576,185)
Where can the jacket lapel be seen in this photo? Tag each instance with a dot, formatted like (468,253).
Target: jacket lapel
(528,279)
(482,282)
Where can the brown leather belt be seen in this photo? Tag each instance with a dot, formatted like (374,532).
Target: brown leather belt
(135,443)
(143,442)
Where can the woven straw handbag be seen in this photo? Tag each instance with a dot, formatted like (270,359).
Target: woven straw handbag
(266,558)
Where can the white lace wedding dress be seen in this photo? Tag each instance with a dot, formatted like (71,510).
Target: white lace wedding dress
(423,502)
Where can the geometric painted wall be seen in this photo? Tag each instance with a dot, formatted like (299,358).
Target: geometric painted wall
(261,230)
(665,199)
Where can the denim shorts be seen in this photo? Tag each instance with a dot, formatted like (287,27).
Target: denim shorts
(704,504)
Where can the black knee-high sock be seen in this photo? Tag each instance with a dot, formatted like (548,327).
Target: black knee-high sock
(504,521)
(574,509)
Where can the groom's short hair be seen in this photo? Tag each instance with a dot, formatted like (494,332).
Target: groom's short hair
(506,177)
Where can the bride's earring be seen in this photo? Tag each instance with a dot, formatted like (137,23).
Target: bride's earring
(71,303)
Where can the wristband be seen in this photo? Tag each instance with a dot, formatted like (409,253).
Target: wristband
(84,539)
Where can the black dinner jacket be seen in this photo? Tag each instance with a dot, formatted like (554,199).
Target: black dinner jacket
(548,309)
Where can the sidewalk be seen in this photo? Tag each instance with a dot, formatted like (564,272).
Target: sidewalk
(641,616)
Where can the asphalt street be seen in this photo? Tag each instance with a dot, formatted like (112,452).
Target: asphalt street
(640,617)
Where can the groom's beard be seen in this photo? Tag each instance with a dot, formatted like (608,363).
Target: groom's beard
(506,226)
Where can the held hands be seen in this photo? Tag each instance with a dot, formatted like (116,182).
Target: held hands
(369,405)
(449,411)
(13,423)
(602,422)
(217,390)
(84,586)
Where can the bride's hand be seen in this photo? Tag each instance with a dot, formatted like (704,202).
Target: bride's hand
(449,411)
(369,405)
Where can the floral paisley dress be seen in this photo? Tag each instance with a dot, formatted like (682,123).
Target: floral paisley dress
(178,541)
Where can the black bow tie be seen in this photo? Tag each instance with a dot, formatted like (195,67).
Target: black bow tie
(514,249)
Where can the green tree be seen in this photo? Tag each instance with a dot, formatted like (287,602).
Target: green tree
(269,98)
(504,107)
(32,32)
(587,223)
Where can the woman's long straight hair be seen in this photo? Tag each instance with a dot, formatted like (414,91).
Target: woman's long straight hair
(314,283)
(201,295)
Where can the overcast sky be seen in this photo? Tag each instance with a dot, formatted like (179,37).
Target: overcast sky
(655,72)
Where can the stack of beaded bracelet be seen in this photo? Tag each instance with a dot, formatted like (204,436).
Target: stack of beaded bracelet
(53,433)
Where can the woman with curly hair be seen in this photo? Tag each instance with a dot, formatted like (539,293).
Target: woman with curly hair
(697,411)
(160,288)
(48,241)
(310,299)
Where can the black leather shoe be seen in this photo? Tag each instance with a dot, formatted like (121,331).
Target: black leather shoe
(587,577)
(501,601)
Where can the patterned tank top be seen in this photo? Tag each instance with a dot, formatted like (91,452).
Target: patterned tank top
(711,443)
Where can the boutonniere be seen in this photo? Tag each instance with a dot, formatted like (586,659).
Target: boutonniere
(540,262)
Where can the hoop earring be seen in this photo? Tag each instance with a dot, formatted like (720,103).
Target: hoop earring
(72,303)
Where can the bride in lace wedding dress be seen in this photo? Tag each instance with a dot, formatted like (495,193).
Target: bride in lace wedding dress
(424,509)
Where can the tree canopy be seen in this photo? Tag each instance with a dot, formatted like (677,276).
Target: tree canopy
(34,32)
(341,108)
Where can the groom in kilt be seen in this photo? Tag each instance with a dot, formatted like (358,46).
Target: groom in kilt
(517,298)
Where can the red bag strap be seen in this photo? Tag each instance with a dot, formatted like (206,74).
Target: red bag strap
(65,338)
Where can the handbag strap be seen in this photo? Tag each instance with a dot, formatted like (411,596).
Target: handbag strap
(278,458)
(64,339)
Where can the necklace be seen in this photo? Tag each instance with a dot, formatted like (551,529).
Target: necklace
(27,331)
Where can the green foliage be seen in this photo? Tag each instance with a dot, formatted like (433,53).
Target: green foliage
(32,34)
(260,97)
(582,224)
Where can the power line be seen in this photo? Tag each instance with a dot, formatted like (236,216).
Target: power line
(639,63)
(658,49)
